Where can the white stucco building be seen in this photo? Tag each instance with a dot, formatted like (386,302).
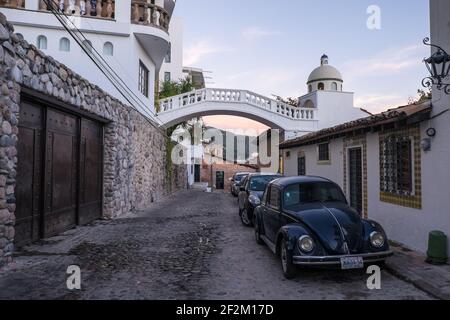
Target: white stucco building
(172,67)
(383,163)
(326,94)
(132,36)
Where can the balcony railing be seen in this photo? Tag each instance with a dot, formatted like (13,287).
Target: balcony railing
(12,3)
(103,9)
(149,14)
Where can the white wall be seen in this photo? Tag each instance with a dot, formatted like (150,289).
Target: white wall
(176,39)
(333,170)
(328,85)
(335,108)
(77,60)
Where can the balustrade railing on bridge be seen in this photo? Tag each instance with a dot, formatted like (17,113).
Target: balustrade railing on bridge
(236,96)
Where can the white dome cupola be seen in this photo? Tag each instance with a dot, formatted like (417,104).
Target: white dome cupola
(325,77)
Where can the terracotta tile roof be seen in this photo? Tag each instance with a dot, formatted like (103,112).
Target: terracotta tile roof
(387,117)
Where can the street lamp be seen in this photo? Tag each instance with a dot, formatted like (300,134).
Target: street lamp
(439,67)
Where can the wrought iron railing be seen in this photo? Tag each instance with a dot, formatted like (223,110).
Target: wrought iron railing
(146,13)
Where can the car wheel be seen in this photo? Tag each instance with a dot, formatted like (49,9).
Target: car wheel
(289,269)
(244,218)
(258,238)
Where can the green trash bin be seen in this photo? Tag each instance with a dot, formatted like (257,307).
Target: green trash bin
(437,248)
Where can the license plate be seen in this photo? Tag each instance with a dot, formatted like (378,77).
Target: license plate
(352,263)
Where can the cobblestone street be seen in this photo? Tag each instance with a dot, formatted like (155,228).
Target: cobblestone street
(189,246)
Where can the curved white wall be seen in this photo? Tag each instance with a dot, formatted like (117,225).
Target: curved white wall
(329,85)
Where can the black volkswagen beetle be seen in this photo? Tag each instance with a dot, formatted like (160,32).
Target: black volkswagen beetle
(307,222)
(251,192)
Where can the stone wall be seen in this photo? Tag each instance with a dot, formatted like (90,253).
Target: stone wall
(150,165)
(135,172)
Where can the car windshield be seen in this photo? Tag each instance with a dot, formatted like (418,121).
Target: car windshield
(239,177)
(302,193)
(259,183)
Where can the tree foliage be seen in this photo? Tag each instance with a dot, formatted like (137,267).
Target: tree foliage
(290,101)
(173,88)
(423,95)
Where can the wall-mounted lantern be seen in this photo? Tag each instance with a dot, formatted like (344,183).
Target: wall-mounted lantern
(439,67)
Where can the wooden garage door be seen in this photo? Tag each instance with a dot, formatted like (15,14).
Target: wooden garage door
(91,165)
(60,208)
(59,174)
(29,175)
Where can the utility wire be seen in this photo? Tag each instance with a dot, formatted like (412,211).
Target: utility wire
(110,69)
(116,78)
(120,65)
(105,68)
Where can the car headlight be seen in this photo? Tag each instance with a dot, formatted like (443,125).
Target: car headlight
(377,239)
(254,200)
(306,244)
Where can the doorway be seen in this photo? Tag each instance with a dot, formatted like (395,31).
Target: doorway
(355,178)
(220,180)
(59,171)
(197,173)
(301,166)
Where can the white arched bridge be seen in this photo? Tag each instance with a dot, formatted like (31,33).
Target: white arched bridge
(206,102)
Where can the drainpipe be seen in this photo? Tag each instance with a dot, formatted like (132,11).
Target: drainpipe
(212,180)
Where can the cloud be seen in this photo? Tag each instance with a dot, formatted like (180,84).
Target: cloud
(376,102)
(198,50)
(266,81)
(388,62)
(256,33)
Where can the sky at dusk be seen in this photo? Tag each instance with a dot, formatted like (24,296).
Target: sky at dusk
(271,46)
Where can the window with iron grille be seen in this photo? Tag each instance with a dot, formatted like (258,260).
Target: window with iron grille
(396,165)
(324,152)
(143,79)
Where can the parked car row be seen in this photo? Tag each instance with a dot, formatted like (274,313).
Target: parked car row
(251,192)
(236,182)
(306,221)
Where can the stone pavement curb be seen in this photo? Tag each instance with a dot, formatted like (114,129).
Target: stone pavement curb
(411,267)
